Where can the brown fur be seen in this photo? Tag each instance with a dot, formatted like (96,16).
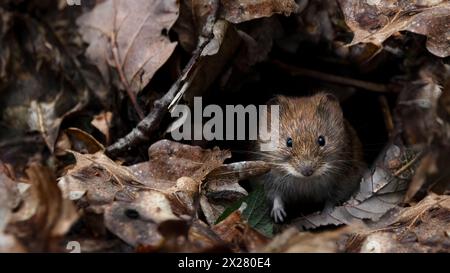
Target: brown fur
(337,165)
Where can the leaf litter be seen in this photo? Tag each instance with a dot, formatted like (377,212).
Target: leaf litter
(71,89)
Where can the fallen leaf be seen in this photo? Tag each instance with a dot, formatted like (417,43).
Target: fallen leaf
(256,211)
(293,241)
(99,178)
(82,141)
(137,222)
(375,21)
(421,228)
(169,160)
(238,11)
(102,122)
(221,187)
(130,37)
(235,230)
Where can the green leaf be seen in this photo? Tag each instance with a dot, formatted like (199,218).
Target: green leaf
(256,213)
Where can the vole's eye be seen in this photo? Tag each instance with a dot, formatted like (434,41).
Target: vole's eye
(321,141)
(289,142)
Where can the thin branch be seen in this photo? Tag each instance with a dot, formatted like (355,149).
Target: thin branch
(388,120)
(151,123)
(298,71)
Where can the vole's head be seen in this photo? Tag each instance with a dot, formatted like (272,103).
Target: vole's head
(312,136)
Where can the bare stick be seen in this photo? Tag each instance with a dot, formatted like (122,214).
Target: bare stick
(388,120)
(298,71)
(150,124)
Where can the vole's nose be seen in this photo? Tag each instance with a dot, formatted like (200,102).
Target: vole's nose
(307,170)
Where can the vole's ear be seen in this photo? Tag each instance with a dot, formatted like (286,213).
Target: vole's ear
(324,97)
(278,100)
(331,97)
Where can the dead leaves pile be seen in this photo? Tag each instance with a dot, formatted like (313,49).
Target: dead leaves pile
(65,70)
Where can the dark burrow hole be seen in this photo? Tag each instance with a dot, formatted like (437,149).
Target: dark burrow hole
(361,108)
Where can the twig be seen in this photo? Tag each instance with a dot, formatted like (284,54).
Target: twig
(150,124)
(298,71)
(408,164)
(387,115)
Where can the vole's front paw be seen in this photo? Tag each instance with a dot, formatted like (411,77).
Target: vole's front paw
(278,213)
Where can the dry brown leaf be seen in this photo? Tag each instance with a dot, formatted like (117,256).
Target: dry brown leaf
(102,122)
(55,214)
(375,21)
(137,222)
(82,141)
(235,231)
(221,186)
(424,227)
(238,11)
(169,160)
(293,241)
(99,178)
(130,36)
(43,117)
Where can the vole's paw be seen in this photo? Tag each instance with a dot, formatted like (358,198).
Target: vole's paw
(278,213)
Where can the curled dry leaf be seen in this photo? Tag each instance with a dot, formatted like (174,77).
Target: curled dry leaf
(82,141)
(221,187)
(293,241)
(238,11)
(102,122)
(9,197)
(44,118)
(168,184)
(420,228)
(55,214)
(419,108)
(235,231)
(100,178)
(192,18)
(137,222)
(130,36)
(375,21)
(169,160)
(9,200)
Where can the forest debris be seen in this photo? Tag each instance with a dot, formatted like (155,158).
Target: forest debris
(293,241)
(55,214)
(420,228)
(375,21)
(8,197)
(149,125)
(99,178)
(82,141)
(255,212)
(136,46)
(170,160)
(103,123)
(221,188)
(137,222)
(43,118)
(238,11)
(235,231)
